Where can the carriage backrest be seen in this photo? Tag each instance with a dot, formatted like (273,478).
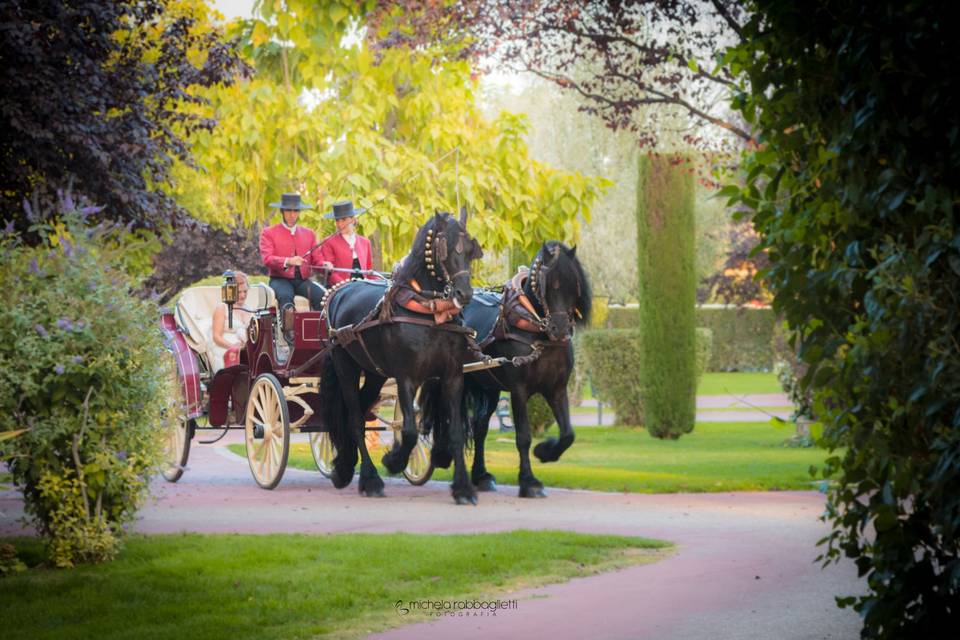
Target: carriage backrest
(195,316)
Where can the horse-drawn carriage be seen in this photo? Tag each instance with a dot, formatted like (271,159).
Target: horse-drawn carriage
(374,343)
(270,394)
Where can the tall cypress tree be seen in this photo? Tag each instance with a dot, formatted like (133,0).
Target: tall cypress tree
(667,292)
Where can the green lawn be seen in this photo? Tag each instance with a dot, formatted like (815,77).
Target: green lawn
(293,586)
(737,383)
(714,457)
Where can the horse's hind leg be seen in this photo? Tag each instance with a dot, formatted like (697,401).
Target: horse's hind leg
(396,459)
(484,403)
(551,449)
(530,487)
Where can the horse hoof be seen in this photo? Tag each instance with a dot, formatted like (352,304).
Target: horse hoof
(372,493)
(532,492)
(544,451)
(340,480)
(391,462)
(466,500)
(487,484)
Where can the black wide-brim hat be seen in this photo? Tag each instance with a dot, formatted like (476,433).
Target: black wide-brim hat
(343,210)
(291,201)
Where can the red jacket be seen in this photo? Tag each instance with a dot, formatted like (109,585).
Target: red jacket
(277,243)
(336,251)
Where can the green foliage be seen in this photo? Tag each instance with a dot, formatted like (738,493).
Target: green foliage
(381,127)
(853,192)
(539,414)
(88,103)
(741,337)
(627,317)
(667,293)
(81,370)
(614,357)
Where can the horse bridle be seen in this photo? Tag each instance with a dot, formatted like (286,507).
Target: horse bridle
(435,252)
(538,283)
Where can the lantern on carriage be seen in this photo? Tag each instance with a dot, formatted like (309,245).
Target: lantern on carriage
(228,293)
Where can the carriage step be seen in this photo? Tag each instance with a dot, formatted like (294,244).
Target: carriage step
(480,365)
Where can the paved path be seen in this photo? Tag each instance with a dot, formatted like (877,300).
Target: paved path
(724,408)
(743,569)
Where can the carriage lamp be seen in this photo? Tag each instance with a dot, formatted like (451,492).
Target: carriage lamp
(228,293)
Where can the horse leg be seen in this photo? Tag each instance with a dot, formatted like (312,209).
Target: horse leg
(551,449)
(530,487)
(396,459)
(452,397)
(486,403)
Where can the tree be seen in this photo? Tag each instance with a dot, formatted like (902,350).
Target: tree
(398,131)
(853,192)
(651,65)
(667,292)
(90,99)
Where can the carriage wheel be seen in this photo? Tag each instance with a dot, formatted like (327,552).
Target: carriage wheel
(176,447)
(267,430)
(419,468)
(321,446)
(178,432)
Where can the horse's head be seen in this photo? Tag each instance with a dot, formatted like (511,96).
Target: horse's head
(560,286)
(447,251)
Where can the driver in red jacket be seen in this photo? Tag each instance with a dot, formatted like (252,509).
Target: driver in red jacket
(345,249)
(285,250)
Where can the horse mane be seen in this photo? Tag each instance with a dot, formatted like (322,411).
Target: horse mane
(570,270)
(413,266)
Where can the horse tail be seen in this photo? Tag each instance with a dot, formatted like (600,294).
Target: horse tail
(435,419)
(475,407)
(334,413)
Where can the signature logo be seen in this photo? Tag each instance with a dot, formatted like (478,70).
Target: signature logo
(401,610)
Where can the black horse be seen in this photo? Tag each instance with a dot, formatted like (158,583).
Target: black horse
(532,324)
(405,331)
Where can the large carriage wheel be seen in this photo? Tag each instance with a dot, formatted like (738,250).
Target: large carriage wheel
(267,430)
(176,447)
(178,431)
(321,446)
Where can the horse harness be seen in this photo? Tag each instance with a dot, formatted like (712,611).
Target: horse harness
(517,312)
(412,297)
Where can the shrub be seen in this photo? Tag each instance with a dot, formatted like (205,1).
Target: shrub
(612,358)
(667,294)
(539,414)
(82,370)
(854,193)
(627,317)
(742,337)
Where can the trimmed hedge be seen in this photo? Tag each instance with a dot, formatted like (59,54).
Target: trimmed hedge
(742,336)
(612,358)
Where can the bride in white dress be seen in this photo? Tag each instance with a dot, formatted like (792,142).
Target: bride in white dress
(229,341)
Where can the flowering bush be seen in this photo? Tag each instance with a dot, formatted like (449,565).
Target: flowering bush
(82,373)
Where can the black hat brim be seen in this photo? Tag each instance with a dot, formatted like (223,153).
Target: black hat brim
(353,214)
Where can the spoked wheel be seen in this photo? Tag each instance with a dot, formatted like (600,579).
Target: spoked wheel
(321,446)
(176,447)
(419,468)
(178,432)
(267,430)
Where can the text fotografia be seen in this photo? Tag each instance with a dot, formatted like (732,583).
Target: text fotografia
(455,608)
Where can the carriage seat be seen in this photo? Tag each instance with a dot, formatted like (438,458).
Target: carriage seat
(194,314)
